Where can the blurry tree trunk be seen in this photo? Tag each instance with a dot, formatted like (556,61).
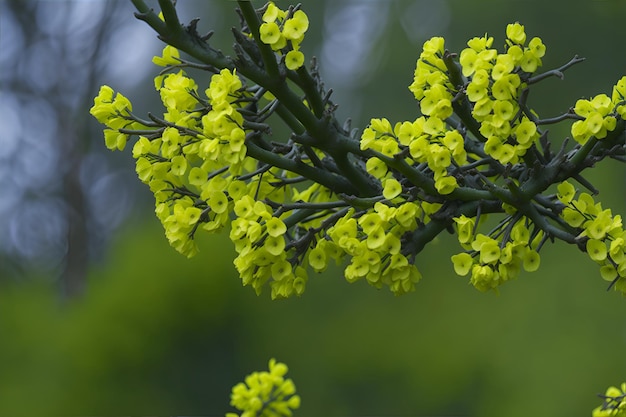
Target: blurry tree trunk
(76,50)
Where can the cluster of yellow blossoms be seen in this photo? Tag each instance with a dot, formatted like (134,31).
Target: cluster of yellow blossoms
(373,241)
(495,87)
(492,84)
(604,233)
(198,140)
(284,32)
(494,260)
(429,142)
(175,155)
(193,159)
(599,114)
(113,111)
(614,403)
(261,246)
(265,394)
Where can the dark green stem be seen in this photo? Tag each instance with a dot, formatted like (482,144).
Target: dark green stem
(171,17)
(310,88)
(329,180)
(322,130)
(290,120)
(426,233)
(583,152)
(540,221)
(178,37)
(299,215)
(366,187)
(146,14)
(267,54)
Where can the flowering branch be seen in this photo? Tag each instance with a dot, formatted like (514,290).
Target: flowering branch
(375,197)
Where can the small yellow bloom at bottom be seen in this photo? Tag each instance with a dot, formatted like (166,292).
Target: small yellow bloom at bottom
(265,394)
(481,275)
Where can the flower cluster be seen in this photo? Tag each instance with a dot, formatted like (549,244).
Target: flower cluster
(614,403)
(494,85)
(260,241)
(494,260)
(374,242)
(602,232)
(179,155)
(428,138)
(428,141)
(265,394)
(284,32)
(599,115)
(431,84)
(114,113)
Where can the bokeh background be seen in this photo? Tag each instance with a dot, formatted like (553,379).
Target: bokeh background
(99,316)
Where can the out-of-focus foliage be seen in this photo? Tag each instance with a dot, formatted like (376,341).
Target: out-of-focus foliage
(153,335)
(157,333)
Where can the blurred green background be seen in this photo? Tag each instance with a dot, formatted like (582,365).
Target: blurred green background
(99,316)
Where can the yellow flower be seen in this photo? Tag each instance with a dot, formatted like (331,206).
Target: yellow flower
(537,48)
(273,13)
(462,263)
(530,62)
(270,33)
(566,192)
(295,27)
(480,44)
(515,32)
(294,59)
(469,61)
(275,227)
(446,184)
(175,92)
(317,259)
(525,132)
(434,46)
(218,202)
(531,261)
(391,189)
(596,249)
(169,56)
(274,245)
(115,140)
